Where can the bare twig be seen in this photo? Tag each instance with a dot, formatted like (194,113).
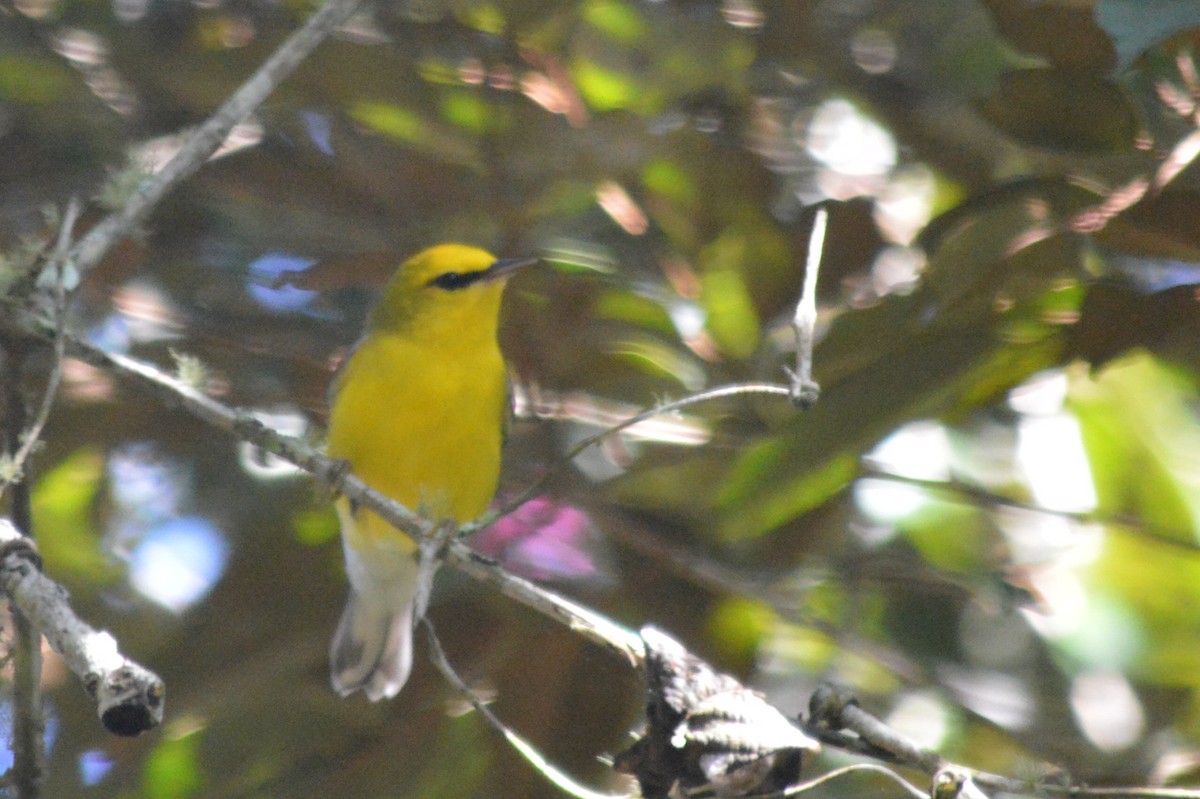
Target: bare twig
(555,775)
(28,723)
(1135,793)
(129,697)
(804,787)
(730,390)
(833,709)
(804,390)
(981,496)
(31,435)
(208,137)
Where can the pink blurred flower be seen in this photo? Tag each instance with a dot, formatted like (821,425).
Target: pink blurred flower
(544,540)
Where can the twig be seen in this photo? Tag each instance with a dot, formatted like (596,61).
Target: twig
(129,697)
(973,493)
(30,437)
(730,390)
(833,709)
(1138,793)
(804,390)
(796,790)
(208,137)
(555,775)
(599,629)
(28,723)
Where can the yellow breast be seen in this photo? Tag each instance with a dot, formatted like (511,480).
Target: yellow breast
(422,423)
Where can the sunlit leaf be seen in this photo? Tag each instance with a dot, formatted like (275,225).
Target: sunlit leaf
(407,127)
(1148,587)
(732,319)
(485,17)
(737,625)
(771,509)
(615,19)
(315,526)
(64,502)
(670,180)
(467,110)
(36,81)
(654,357)
(633,309)
(603,88)
(951,536)
(172,771)
(391,120)
(1138,433)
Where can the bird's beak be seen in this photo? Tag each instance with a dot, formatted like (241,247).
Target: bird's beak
(506,266)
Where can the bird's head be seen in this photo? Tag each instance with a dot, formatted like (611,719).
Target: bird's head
(447,289)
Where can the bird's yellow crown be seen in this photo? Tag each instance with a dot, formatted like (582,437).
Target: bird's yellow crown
(443,290)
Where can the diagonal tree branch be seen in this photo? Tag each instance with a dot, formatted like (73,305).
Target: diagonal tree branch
(129,697)
(333,475)
(205,140)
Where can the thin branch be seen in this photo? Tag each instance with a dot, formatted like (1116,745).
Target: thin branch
(202,143)
(555,775)
(1139,793)
(804,390)
(1164,535)
(730,390)
(835,709)
(28,722)
(31,436)
(804,787)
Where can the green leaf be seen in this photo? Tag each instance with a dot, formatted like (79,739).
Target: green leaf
(172,770)
(315,526)
(468,110)
(1137,429)
(485,17)
(731,318)
(633,309)
(770,509)
(619,21)
(602,88)
(32,81)
(63,501)
(670,180)
(409,128)
(951,536)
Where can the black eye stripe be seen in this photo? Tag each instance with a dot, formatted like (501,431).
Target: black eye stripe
(455,280)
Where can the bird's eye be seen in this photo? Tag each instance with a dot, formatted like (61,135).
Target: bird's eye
(454,280)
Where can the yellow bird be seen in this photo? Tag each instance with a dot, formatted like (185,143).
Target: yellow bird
(418,412)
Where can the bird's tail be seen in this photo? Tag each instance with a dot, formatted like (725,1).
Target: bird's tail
(372,648)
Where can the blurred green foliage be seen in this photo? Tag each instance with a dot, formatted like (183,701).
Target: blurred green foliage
(989,267)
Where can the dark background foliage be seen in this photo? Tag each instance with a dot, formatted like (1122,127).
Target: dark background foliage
(987,526)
